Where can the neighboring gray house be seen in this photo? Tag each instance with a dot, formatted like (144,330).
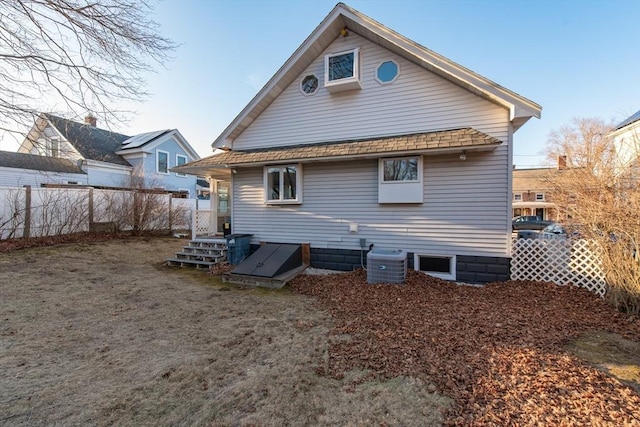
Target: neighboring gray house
(85,154)
(366,137)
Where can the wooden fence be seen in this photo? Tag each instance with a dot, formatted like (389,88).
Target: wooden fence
(41,211)
(564,262)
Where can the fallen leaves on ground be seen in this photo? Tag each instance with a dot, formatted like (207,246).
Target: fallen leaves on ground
(497,350)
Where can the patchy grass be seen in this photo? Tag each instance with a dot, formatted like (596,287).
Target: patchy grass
(103,333)
(611,353)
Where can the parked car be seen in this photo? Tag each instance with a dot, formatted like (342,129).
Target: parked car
(529,223)
(557,231)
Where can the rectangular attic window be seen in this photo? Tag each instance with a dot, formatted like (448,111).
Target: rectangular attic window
(342,70)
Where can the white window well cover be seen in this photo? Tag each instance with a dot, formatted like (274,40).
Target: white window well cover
(342,70)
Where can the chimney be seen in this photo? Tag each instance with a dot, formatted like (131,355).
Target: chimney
(90,120)
(562,162)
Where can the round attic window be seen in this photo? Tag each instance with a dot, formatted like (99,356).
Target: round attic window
(387,72)
(309,85)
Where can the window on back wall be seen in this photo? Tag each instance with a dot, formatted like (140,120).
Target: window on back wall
(517,197)
(400,169)
(162,165)
(400,180)
(539,197)
(180,160)
(283,184)
(342,70)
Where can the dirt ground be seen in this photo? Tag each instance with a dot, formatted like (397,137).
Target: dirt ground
(104,333)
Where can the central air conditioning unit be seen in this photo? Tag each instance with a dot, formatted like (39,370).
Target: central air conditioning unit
(386,266)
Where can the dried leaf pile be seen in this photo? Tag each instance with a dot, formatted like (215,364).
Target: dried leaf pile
(497,350)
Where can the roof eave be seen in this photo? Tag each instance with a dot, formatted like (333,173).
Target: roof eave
(520,108)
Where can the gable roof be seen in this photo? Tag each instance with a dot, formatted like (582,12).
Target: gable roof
(342,16)
(91,142)
(9,159)
(434,142)
(632,119)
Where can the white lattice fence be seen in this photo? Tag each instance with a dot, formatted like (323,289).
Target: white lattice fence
(560,261)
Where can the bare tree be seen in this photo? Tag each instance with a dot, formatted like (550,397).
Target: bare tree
(74,56)
(594,195)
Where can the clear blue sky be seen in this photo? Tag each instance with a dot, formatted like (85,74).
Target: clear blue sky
(575,58)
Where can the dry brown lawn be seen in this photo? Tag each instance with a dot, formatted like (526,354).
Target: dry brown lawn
(104,333)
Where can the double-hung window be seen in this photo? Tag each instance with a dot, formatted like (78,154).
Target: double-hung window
(180,160)
(162,159)
(283,184)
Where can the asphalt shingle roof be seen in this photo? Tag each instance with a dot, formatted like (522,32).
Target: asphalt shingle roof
(91,142)
(10,159)
(419,142)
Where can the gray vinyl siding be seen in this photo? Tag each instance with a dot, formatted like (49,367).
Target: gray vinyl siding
(463,211)
(10,177)
(417,101)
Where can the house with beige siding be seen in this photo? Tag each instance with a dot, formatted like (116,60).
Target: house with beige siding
(364,137)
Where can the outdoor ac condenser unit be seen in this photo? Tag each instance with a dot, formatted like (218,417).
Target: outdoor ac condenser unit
(386,265)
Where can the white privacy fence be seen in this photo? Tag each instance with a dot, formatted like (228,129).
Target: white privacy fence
(45,211)
(563,262)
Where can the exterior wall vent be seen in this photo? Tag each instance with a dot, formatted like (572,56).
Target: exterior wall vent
(386,266)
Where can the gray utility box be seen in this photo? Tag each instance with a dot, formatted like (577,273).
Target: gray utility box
(386,265)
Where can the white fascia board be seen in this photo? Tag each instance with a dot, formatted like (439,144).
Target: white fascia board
(519,107)
(274,86)
(184,144)
(105,165)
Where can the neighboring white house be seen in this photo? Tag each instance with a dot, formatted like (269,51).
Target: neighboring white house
(61,151)
(626,139)
(365,137)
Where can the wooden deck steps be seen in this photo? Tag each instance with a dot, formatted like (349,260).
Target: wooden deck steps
(201,254)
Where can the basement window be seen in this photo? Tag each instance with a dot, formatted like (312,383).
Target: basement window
(283,184)
(442,266)
(342,70)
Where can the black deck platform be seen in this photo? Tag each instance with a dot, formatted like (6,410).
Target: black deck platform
(272,265)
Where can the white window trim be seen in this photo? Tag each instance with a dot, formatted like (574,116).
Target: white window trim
(158,162)
(178,163)
(381,170)
(390,192)
(375,72)
(446,276)
(541,199)
(302,80)
(356,69)
(517,197)
(298,199)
